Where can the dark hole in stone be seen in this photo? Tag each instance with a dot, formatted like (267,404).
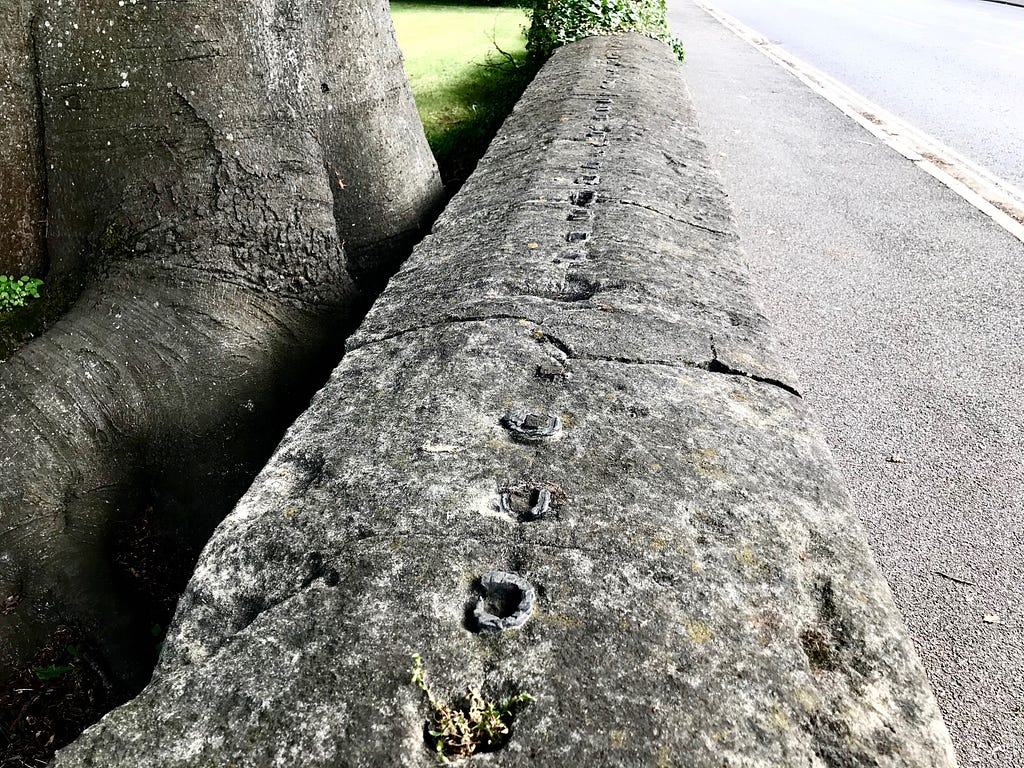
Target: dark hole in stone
(588,178)
(540,503)
(578,288)
(818,649)
(526,506)
(549,372)
(531,427)
(325,88)
(503,601)
(578,214)
(576,237)
(582,197)
(249,608)
(506,603)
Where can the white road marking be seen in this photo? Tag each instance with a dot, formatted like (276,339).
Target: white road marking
(907,22)
(1011,48)
(995,197)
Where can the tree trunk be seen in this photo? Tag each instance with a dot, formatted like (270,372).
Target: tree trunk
(22,188)
(198,154)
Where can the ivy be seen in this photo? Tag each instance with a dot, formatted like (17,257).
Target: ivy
(15,291)
(556,22)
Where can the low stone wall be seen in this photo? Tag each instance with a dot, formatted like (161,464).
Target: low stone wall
(566,399)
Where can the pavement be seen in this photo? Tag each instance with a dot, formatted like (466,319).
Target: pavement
(899,305)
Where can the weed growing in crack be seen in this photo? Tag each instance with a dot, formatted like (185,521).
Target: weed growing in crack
(473,725)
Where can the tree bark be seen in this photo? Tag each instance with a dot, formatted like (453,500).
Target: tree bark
(22,176)
(198,156)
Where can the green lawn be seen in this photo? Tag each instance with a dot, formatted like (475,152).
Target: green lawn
(463,86)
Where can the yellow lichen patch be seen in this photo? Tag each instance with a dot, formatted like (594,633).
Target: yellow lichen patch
(746,361)
(696,567)
(747,558)
(617,738)
(290,513)
(658,544)
(738,396)
(532,246)
(698,631)
(807,699)
(665,758)
(780,719)
(557,619)
(706,460)
(655,467)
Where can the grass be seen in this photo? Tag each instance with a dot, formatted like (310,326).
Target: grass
(463,84)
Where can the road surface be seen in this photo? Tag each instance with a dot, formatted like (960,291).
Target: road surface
(953,68)
(901,308)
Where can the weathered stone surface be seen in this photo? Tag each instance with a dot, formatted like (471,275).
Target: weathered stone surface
(704,595)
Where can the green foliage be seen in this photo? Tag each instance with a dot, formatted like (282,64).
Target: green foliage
(556,22)
(467,66)
(56,671)
(53,671)
(474,725)
(15,291)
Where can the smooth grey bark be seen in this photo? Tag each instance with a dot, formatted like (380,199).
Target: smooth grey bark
(193,153)
(22,178)
(697,590)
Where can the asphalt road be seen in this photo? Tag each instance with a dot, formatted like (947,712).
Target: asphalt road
(902,310)
(952,68)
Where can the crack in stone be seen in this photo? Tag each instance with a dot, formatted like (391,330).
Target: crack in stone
(714,365)
(352,347)
(712,230)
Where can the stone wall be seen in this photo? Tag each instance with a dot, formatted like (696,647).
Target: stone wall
(567,399)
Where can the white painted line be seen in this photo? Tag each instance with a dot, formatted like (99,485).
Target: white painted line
(994,197)
(1011,48)
(906,22)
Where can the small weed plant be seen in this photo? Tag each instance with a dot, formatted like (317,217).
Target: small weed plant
(14,292)
(556,22)
(474,725)
(55,671)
